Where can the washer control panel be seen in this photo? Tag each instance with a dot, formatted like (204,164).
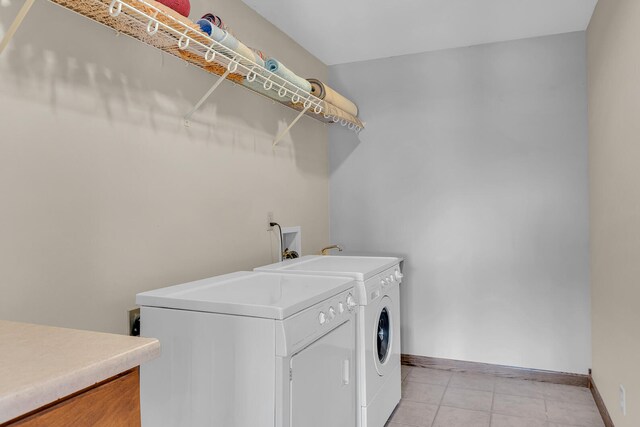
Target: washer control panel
(377,285)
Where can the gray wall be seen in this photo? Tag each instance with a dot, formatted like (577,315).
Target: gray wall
(474,167)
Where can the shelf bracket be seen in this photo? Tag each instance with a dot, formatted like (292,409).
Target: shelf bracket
(284,132)
(204,98)
(15,24)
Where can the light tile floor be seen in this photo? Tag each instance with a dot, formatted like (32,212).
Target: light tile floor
(435,398)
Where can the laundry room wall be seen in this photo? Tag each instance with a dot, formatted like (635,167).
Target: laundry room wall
(473,166)
(104,192)
(614,173)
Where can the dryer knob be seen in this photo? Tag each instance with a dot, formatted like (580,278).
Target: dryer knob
(351,303)
(332,313)
(322,318)
(383,282)
(399,275)
(392,278)
(340,307)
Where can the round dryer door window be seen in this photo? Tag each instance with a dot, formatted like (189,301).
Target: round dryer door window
(383,335)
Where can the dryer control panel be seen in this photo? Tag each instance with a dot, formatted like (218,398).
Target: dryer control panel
(307,326)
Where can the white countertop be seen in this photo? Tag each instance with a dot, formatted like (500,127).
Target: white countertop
(41,364)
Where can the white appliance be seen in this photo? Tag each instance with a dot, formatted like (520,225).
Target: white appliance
(378,325)
(251,350)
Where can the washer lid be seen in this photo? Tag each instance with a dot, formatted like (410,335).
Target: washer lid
(245,293)
(359,267)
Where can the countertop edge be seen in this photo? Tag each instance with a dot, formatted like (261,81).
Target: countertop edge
(30,398)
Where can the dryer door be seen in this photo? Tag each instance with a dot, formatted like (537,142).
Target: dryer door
(384,330)
(323,389)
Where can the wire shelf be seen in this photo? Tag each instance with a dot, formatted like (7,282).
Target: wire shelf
(160,27)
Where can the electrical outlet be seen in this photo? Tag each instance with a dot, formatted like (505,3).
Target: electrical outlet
(623,400)
(269,221)
(134,321)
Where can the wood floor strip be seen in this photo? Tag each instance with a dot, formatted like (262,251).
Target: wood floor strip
(497,370)
(608,422)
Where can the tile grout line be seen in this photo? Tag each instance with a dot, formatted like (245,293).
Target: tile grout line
(446,387)
(546,410)
(473,390)
(493,399)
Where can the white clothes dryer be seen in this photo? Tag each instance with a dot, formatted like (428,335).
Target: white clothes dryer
(251,349)
(378,325)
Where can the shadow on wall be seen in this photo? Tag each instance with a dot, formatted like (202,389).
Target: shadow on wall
(69,62)
(341,145)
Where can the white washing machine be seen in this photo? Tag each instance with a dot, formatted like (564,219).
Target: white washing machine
(378,326)
(251,350)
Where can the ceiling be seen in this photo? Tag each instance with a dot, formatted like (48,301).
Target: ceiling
(339,31)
